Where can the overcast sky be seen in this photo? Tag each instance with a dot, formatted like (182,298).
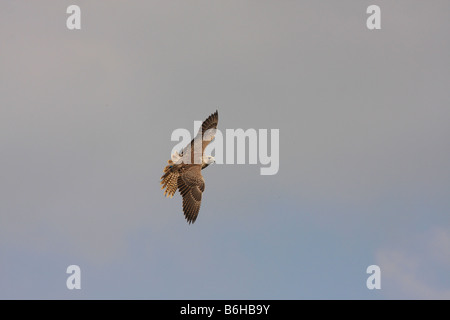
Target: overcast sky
(86,118)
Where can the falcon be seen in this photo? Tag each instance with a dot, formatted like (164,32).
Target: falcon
(183,172)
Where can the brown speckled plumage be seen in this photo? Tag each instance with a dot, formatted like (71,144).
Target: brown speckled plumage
(187,178)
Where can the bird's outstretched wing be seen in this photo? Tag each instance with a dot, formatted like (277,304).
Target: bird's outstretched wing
(191,186)
(204,136)
(209,128)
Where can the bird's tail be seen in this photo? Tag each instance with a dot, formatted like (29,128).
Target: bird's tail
(169,179)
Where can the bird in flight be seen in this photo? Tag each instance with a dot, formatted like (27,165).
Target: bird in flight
(183,172)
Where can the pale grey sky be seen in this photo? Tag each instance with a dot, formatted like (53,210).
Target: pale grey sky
(85,123)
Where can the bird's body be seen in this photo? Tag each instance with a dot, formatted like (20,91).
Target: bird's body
(183,173)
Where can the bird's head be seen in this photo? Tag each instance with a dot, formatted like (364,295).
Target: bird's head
(208,160)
